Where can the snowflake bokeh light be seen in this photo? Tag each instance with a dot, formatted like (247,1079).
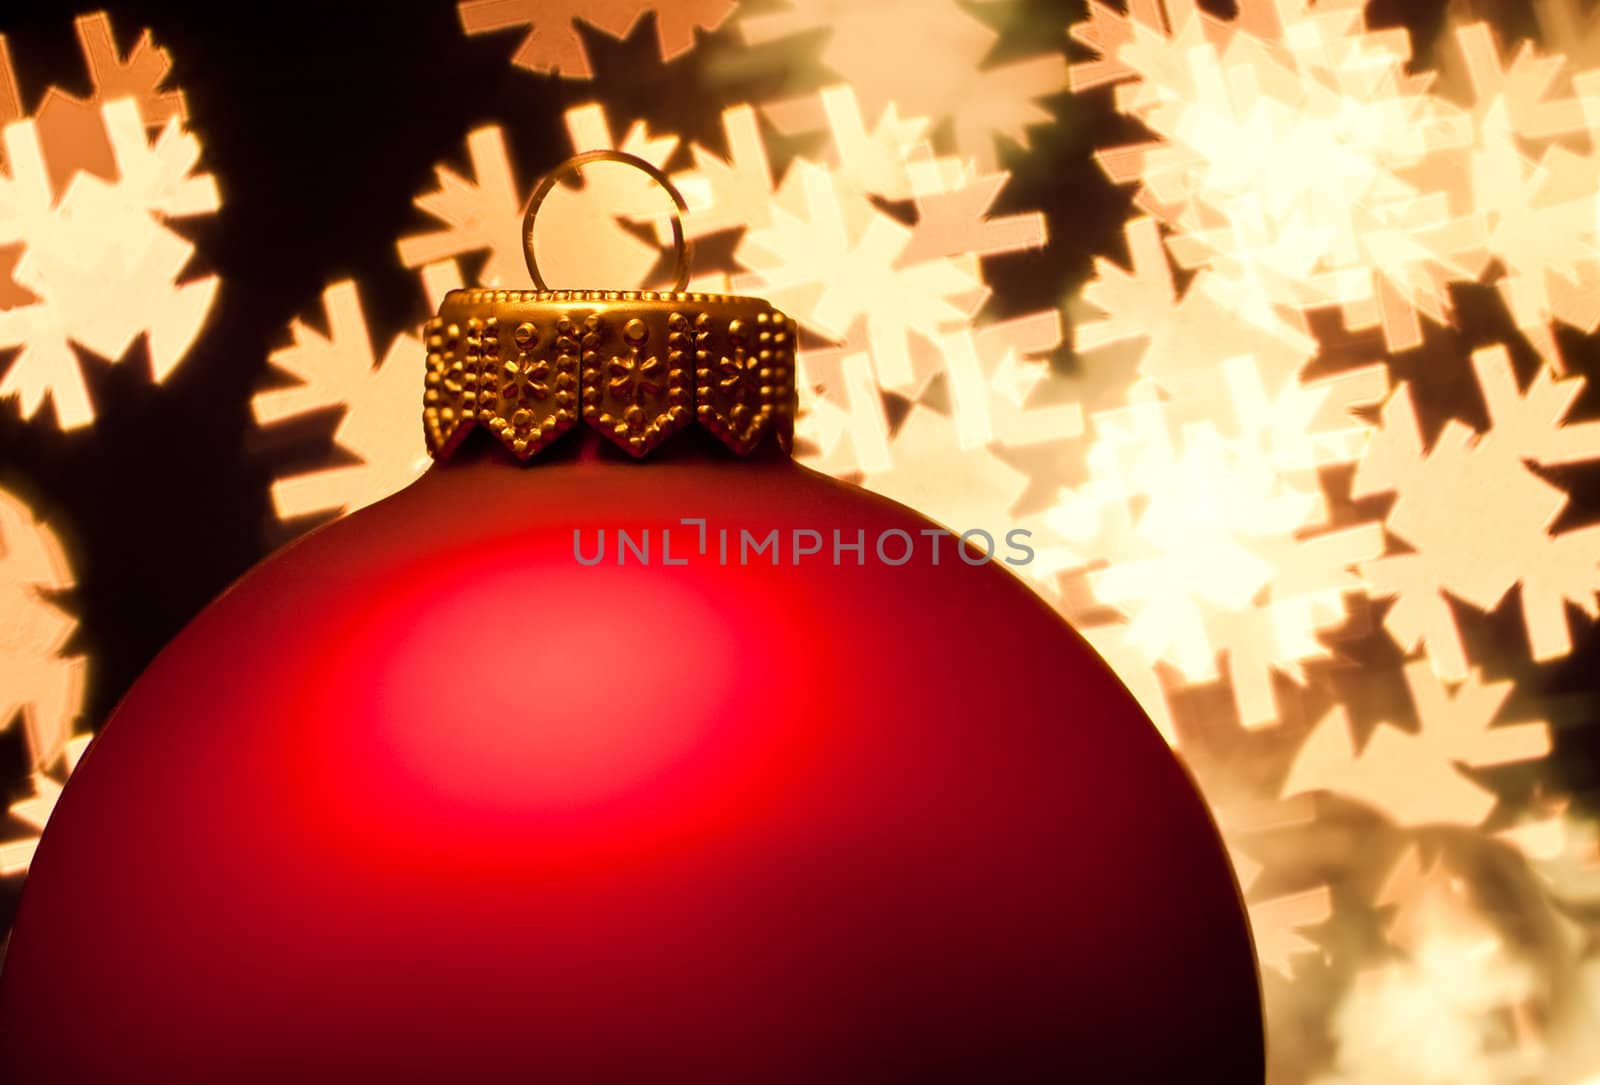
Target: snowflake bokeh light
(41,680)
(88,188)
(552,42)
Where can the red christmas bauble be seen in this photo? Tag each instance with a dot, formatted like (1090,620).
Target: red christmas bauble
(424,798)
(589,772)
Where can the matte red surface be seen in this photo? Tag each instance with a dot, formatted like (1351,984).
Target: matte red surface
(423,799)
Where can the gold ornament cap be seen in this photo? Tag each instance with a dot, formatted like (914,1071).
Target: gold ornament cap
(639,366)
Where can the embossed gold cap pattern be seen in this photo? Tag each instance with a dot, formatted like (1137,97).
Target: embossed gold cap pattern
(639,366)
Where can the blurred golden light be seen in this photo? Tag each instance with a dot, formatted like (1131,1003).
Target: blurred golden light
(553,43)
(40,684)
(86,195)
(932,62)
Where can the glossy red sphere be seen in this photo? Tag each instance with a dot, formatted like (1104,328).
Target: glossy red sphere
(424,798)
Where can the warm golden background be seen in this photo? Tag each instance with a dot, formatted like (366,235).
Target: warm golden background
(1273,321)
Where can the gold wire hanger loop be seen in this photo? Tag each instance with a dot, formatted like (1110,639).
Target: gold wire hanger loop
(683,247)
